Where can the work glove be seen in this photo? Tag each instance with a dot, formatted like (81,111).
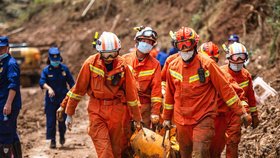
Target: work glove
(138,125)
(255,120)
(59,114)
(154,119)
(166,124)
(68,122)
(246,119)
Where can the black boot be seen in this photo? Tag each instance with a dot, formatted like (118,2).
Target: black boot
(17,150)
(62,140)
(53,144)
(6,150)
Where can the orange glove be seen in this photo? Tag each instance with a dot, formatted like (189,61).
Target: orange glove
(255,120)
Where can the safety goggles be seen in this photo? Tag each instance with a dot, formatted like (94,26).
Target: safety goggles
(108,55)
(149,33)
(236,57)
(184,44)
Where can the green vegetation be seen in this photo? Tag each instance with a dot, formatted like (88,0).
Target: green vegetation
(274,22)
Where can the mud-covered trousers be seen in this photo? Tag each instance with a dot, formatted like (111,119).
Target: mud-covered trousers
(195,140)
(227,133)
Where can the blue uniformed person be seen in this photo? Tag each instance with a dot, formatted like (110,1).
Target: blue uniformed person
(10,102)
(54,79)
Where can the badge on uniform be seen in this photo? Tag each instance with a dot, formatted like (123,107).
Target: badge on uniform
(63,73)
(50,75)
(1,69)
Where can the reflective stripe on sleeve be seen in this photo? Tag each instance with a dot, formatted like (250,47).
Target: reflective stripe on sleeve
(232,100)
(133,103)
(156,99)
(168,106)
(74,96)
(253,109)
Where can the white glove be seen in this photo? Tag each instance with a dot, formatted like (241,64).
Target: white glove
(154,118)
(59,114)
(68,122)
(166,124)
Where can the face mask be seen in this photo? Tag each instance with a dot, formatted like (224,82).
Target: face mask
(236,67)
(3,56)
(144,47)
(186,55)
(55,63)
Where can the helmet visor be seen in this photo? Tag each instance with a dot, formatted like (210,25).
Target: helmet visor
(185,44)
(109,55)
(236,57)
(149,33)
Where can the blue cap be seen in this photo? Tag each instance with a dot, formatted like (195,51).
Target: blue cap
(234,38)
(4,41)
(54,54)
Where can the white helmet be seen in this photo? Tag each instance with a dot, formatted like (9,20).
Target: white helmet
(108,42)
(145,32)
(237,50)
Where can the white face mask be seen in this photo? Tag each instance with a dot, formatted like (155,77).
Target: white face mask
(186,55)
(236,67)
(144,47)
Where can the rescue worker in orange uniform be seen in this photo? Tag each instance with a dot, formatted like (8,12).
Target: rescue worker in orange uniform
(237,57)
(226,118)
(193,81)
(110,84)
(147,73)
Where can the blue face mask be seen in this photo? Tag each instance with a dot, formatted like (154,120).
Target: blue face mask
(3,56)
(55,63)
(144,47)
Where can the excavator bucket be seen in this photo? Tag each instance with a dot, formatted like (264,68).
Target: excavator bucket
(148,144)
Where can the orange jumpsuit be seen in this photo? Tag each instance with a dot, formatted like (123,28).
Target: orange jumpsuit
(193,104)
(107,104)
(154,52)
(147,74)
(233,131)
(225,120)
(167,62)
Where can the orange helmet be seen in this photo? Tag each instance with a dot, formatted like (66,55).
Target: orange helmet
(210,49)
(185,38)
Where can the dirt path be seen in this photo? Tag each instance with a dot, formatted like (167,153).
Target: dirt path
(32,130)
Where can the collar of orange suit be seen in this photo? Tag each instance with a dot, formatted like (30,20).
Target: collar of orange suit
(234,73)
(191,61)
(141,63)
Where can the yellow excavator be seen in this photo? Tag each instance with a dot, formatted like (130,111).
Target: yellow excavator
(29,60)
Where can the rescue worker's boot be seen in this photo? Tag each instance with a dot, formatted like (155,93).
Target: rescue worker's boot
(232,150)
(53,144)
(62,140)
(6,151)
(17,149)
